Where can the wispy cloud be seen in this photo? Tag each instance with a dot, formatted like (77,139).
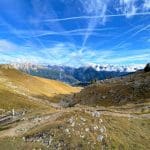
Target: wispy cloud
(128,7)
(95,17)
(67,54)
(6,45)
(131,59)
(73,32)
(146,4)
(142,29)
(133,32)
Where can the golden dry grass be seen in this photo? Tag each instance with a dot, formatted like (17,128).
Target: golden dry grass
(17,89)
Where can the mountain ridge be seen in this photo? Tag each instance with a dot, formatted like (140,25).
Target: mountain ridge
(76,75)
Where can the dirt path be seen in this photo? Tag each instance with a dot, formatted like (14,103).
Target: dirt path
(110,112)
(24,126)
(116,114)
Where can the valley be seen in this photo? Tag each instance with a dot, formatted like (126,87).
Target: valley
(37,113)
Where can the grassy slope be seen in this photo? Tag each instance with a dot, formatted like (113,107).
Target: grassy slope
(120,132)
(9,100)
(131,89)
(17,88)
(18,144)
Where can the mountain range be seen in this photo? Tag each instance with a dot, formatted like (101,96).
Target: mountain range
(77,75)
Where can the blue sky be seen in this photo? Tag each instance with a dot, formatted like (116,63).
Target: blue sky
(75,32)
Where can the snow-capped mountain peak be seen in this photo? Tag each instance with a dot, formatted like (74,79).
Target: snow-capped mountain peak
(97,67)
(119,68)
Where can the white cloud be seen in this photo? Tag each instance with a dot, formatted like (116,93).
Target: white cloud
(146,4)
(131,59)
(128,7)
(7,45)
(68,54)
(96,7)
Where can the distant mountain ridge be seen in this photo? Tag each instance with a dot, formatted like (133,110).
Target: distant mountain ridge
(78,75)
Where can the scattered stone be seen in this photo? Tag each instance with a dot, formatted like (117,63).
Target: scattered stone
(96,127)
(50,140)
(83,119)
(46,142)
(67,131)
(100,120)
(100,138)
(20,130)
(102,130)
(103,97)
(73,124)
(82,136)
(23,138)
(71,120)
(95,114)
(87,129)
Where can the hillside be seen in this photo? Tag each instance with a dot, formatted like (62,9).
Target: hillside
(38,122)
(17,88)
(134,88)
(81,128)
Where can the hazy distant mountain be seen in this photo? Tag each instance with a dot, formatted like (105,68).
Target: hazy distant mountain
(72,75)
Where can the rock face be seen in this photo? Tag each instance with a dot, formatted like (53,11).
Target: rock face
(147,68)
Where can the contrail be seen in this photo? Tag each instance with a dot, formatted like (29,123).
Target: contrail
(134,34)
(73,31)
(94,17)
(91,26)
(146,27)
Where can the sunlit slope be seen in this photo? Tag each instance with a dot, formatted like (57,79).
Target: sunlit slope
(10,99)
(17,87)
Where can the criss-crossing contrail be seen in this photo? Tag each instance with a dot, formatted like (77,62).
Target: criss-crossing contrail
(144,28)
(76,31)
(94,17)
(134,34)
